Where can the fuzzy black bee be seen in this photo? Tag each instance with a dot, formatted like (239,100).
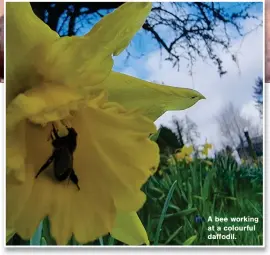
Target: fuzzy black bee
(62,156)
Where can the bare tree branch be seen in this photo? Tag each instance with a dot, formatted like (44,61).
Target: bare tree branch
(197,29)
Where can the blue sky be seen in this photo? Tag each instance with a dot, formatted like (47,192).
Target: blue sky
(235,87)
(143,44)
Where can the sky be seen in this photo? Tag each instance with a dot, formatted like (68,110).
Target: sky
(236,86)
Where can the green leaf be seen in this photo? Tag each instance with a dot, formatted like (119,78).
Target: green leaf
(164,210)
(36,238)
(181,213)
(72,241)
(155,136)
(47,232)
(206,186)
(111,240)
(174,234)
(198,197)
(190,240)
(101,241)
(231,198)
(43,241)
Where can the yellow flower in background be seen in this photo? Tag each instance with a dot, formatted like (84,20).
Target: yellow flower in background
(206,148)
(185,153)
(188,159)
(69,80)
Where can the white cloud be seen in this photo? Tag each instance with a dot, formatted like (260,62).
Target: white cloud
(249,111)
(236,86)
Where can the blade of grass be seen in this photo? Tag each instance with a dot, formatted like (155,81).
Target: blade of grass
(46,232)
(181,213)
(190,240)
(164,210)
(111,240)
(101,241)
(173,235)
(36,239)
(43,241)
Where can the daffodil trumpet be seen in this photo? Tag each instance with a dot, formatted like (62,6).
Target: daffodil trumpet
(70,80)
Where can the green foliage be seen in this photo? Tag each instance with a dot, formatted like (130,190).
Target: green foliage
(155,136)
(210,187)
(222,189)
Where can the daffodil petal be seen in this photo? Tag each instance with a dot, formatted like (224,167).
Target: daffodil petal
(151,98)
(114,144)
(16,151)
(9,234)
(179,155)
(187,150)
(111,167)
(88,60)
(40,105)
(44,104)
(17,194)
(24,31)
(129,229)
(88,213)
(126,20)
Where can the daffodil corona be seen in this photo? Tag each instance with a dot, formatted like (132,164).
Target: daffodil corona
(70,80)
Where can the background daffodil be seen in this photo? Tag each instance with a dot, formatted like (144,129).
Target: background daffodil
(206,148)
(185,153)
(69,80)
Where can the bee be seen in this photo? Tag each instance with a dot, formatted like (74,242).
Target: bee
(62,156)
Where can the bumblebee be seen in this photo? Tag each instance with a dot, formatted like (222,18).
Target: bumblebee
(62,156)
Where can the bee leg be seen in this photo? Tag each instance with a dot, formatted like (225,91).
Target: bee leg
(47,163)
(73,177)
(54,132)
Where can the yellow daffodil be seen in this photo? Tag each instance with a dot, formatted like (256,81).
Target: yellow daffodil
(188,159)
(206,148)
(69,81)
(185,153)
(186,150)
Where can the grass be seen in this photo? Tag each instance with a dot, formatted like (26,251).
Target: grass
(221,189)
